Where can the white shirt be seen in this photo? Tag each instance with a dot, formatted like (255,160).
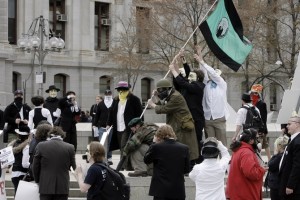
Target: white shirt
(215,98)
(209,177)
(120,117)
(45,112)
(242,114)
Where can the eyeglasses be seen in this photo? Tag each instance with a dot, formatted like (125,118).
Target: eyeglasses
(292,122)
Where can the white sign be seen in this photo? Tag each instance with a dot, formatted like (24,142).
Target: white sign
(27,190)
(39,77)
(2,185)
(6,157)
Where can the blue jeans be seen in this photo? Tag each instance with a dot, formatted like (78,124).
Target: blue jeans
(101,131)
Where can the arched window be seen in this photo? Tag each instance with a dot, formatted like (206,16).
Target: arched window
(145,89)
(273,96)
(60,81)
(104,83)
(16,81)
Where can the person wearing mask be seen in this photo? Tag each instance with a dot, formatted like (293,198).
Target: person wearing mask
(245,172)
(21,154)
(125,107)
(214,100)
(255,93)
(38,114)
(51,102)
(16,115)
(209,175)
(51,164)
(101,117)
(69,112)
(192,90)
(170,162)
(178,115)
(137,146)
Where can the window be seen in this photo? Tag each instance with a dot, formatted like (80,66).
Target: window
(102,26)
(12,21)
(145,89)
(56,25)
(273,96)
(142,20)
(16,81)
(104,84)
(60,81)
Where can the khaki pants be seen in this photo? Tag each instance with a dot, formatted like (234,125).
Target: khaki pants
(216,128)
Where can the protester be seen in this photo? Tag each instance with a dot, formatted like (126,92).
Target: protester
(69,112)
(255,93)
(93,112)
(289,166)
(170,162)
(51,102)
(20,151)
(192,91)
(214,101)
(125,107)
(178,115)
(245,177)
(83,117)
(51,165)
(242,114)
(94,179)
(273,174)
(209,175)
(16,115)
(137,146)
(38,114)
(100,120)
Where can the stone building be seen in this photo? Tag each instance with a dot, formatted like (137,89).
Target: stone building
(89,29)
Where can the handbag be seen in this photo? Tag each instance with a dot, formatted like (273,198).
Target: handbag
(27,190)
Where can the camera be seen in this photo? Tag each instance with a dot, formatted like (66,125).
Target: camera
(85,157)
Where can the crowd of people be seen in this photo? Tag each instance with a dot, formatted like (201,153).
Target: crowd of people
(195,102)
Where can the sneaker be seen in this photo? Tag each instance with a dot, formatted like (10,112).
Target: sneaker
(109,161)
(137,174)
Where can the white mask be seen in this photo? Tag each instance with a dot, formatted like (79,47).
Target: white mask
(53,93)
(192,77)
(182,72)
(108,101)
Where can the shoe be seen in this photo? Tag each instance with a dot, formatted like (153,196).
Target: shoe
(138,174)
(109,161)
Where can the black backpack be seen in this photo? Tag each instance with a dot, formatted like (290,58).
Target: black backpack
(253,119)
(115,186)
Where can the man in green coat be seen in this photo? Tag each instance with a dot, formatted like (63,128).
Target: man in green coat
(172,103)
(137,146)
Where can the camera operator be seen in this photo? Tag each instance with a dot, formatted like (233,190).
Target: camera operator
(70,113)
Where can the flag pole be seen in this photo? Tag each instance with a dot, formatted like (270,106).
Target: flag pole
(193,33)
(183,48)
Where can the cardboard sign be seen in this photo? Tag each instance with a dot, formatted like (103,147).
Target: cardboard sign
(2,185)
(6,157)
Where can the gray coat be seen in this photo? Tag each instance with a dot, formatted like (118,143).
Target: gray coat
(51,165)
(176,109)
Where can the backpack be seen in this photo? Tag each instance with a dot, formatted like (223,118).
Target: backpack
(115,186)
(253,119)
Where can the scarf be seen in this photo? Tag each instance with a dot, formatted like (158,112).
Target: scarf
(255,99)
(108,101)
(123,96)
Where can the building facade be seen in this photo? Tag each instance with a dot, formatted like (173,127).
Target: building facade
(89,29)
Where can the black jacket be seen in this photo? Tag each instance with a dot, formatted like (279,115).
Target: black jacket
(170,162)
(101,116)
(11,113)
(273,177)
(133,109)
(262,107)
(51,104)
(289,172)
